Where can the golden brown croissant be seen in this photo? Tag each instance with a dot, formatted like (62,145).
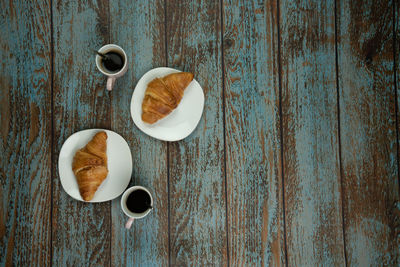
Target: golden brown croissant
(90,165)
(163,95)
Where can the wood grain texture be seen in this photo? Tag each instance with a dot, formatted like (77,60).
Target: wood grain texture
(197,186)
(25,134)
(81,231)
(310,134)
(368,132)
(396,39)
(140,30)
(253,158)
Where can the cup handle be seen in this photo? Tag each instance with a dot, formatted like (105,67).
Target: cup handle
(129,223)
(110,83)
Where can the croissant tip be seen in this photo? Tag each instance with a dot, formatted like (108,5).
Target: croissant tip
(102,134)
(147,118)
(189,75)
(87,197)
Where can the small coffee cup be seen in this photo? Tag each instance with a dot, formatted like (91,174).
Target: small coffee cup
(112,75)
(136,203)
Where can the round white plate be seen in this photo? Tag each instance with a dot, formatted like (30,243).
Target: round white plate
(119,165)
(181,121)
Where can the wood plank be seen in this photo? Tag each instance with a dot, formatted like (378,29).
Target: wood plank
(253,148)
(310,134)
(25,143)
(140,30)
(81,231)
(368,132)
(396,55)
(197,186)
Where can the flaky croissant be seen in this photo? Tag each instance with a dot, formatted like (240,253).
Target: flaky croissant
(90,165)
(163,95)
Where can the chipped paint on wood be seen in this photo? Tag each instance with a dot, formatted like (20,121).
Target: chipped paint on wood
(25,134)
(139,30)
(197,182)
(202,220)
(310,134)
(253,158)
(81,231)
(368,132)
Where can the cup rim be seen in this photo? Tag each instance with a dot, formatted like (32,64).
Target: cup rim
(128,212)
(109,47)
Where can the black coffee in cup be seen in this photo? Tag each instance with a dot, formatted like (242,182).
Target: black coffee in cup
(138,201)
(112,62)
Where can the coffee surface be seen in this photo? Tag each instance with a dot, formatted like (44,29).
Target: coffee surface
(138,201)
(113,62)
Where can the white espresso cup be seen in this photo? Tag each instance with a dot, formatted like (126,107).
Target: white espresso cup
(112,76)
(132,215)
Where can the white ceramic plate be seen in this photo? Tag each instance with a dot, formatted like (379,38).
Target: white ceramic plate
(179,123)
(119,165)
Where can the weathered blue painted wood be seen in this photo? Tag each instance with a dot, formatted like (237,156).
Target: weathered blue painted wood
(368,132)
(396,40)
(25,134)
(310,134)
(139,29)
(253,155)
(197,183)
(81,231)
(252,232)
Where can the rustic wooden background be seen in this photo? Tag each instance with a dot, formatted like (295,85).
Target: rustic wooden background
(295,161)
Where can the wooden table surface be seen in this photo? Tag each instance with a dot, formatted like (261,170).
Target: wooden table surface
(295,161)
